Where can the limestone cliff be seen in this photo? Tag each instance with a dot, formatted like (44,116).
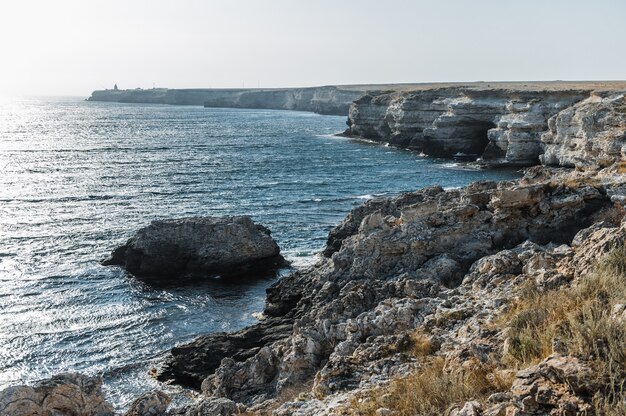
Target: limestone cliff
(501,123)
(324,100)
(591,133)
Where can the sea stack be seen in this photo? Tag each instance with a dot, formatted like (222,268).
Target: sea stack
(196,247)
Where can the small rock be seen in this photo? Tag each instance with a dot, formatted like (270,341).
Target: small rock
(150,404)
(213,407)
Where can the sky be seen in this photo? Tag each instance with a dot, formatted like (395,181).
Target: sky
(71,47)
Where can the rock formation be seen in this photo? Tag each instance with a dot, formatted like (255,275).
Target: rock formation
(591,133)
(373,284)
(65,394)
(199,246)
(503,126)
(443,261)
(149,404)
(323,100)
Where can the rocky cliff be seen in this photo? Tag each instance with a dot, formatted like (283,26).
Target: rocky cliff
(501,123)
(324,100)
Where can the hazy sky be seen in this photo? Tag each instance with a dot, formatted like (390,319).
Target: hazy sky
(70,47)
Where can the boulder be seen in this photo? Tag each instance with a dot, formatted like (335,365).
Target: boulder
(153,403)
(213,407)
(199,247)
(64,394)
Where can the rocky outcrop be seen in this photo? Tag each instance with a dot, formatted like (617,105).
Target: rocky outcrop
(65,394)
(460,324)
(191,363)
(211,407)
(397,270)
(558,385)
(445,263)
(503,126)
(197,247)
(323,100)
(590,134)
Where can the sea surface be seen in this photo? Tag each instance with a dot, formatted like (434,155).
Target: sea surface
(77,178)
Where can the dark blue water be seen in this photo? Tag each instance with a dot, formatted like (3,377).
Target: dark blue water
(77,178)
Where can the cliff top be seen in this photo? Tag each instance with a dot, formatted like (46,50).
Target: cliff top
(507,85)
(480,85)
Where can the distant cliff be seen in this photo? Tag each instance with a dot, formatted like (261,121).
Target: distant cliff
(323,100)
(503,123)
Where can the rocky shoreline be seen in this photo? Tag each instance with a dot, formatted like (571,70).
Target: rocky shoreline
(438,288)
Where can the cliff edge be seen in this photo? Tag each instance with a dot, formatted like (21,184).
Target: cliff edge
(499,123)
(329,100)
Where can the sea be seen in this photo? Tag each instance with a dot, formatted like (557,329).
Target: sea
(77,178)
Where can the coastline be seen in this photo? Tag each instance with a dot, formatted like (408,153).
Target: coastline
(328,100)
(445,264)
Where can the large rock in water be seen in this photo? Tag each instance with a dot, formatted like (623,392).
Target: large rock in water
(199,246)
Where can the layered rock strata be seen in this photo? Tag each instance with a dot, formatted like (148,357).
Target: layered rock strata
(501,126)
(198,247)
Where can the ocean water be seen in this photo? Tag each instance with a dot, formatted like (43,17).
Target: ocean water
(77,178)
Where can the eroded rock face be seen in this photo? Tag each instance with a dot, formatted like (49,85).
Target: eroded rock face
(199,246)
(459,320)
(64,394)
(503,126)
(590,134)
(191,363)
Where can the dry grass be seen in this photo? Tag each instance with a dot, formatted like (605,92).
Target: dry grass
(578,321)
(422,345)
(433,389)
